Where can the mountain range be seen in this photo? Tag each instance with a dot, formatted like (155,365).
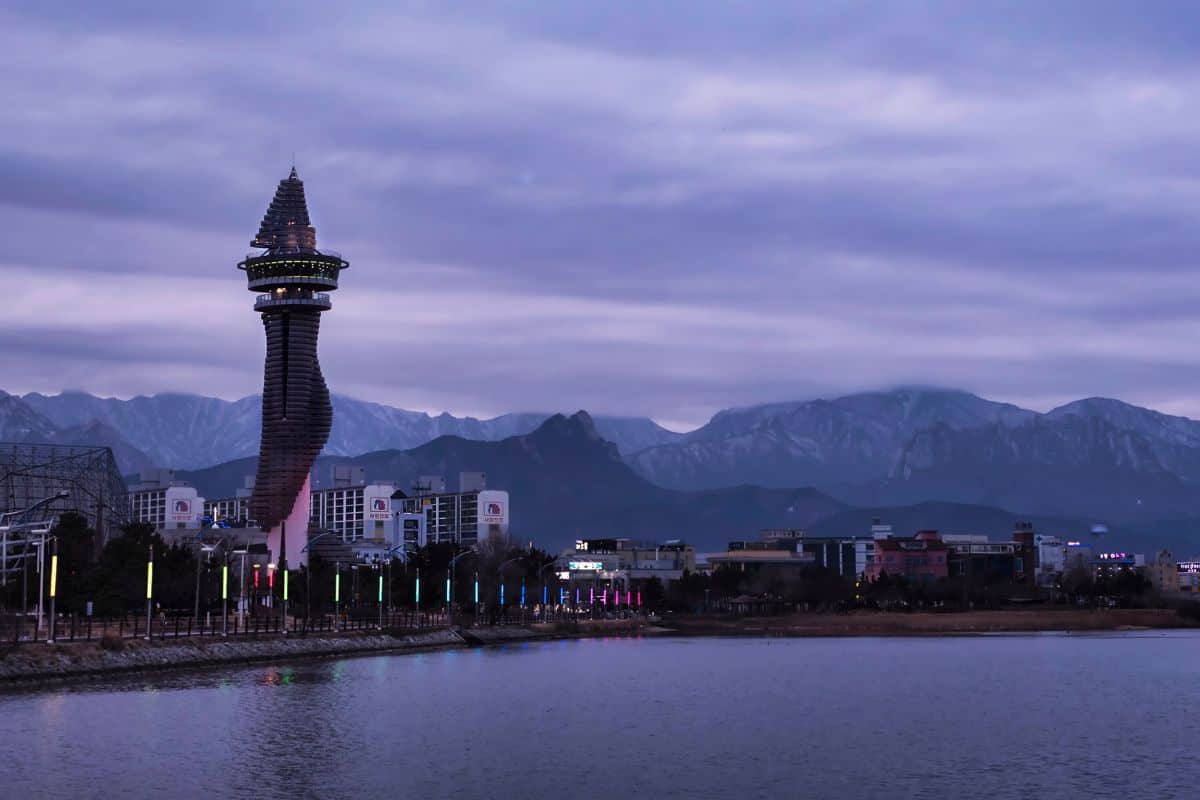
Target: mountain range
(1093,461)
(189,431)
(565,481)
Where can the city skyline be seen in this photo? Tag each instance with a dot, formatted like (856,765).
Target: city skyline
(752,209)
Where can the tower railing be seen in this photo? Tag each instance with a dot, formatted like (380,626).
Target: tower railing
(317,299)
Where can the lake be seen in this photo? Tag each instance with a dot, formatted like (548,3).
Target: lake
(1052,715)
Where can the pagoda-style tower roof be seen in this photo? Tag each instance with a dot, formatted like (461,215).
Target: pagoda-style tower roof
(294,274)
(285,227)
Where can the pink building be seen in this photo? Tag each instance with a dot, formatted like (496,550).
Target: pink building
(924,557)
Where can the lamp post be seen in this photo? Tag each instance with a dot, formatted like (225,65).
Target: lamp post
(542,577)
(149,591)
(500,569)
(450,582)
(242,605)
(53,586)
(207,549)
(225,596)
(308,576)
(391,554)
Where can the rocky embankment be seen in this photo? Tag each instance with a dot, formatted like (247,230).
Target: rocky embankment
(36,661)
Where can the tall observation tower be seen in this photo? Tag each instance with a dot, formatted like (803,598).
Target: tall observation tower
(293,277)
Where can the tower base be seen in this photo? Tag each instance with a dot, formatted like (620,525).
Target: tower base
(297,531)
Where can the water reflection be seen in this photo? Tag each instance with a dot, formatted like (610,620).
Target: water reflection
(1101,716)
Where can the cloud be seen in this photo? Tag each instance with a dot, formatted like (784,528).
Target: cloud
(662,213)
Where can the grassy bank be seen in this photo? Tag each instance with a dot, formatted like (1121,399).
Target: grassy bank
(877,623)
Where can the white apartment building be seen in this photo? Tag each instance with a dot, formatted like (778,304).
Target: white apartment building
(165,503)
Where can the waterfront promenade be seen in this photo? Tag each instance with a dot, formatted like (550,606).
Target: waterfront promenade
(38,661)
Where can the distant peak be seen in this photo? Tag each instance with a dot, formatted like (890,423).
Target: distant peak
(579,423)
(585,419)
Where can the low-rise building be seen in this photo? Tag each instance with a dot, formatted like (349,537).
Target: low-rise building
(848,556)
(1188,573)
(1163,572)
(923,558)
(1110,565)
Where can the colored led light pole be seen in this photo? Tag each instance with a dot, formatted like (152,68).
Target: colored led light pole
(53,586)
(149,591)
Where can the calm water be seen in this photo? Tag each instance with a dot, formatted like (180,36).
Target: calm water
(997,717)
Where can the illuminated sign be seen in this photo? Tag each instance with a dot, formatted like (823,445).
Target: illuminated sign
(565,575)
(586,566)
(581,546)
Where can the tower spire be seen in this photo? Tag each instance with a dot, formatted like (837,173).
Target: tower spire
(286,227)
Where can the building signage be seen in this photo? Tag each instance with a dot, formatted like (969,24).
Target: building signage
(493,512)
(181,510)
(586,566)
(380,508)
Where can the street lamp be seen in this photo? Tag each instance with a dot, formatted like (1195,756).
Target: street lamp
(308,577)
(391,554)
(450,582)
(208,550)
(500,569)
(21,521)
(242,605)
(542,576)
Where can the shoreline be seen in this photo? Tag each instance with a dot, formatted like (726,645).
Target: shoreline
(34,664)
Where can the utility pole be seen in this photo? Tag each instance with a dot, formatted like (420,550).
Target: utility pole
(199,550)
(41,582)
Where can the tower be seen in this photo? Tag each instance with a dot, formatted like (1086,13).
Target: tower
(296,412)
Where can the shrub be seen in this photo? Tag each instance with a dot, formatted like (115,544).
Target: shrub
(112,642)
(1189,611)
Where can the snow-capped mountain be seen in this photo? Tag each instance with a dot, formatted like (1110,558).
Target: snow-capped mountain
(815,443)
(189,431)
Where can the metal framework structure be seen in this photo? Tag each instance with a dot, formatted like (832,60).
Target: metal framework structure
(72,478)
(296,411)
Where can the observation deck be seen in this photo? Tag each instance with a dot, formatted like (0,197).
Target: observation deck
(314,270)
(317,301)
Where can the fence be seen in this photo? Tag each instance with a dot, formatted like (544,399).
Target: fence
(19,629)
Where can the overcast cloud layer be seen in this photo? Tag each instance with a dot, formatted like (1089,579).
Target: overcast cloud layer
(657,209)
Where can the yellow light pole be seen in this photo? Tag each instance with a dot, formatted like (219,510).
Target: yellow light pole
(53,586)
(225,598)
(149,591)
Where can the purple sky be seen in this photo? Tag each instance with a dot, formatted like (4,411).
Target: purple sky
(634,208)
